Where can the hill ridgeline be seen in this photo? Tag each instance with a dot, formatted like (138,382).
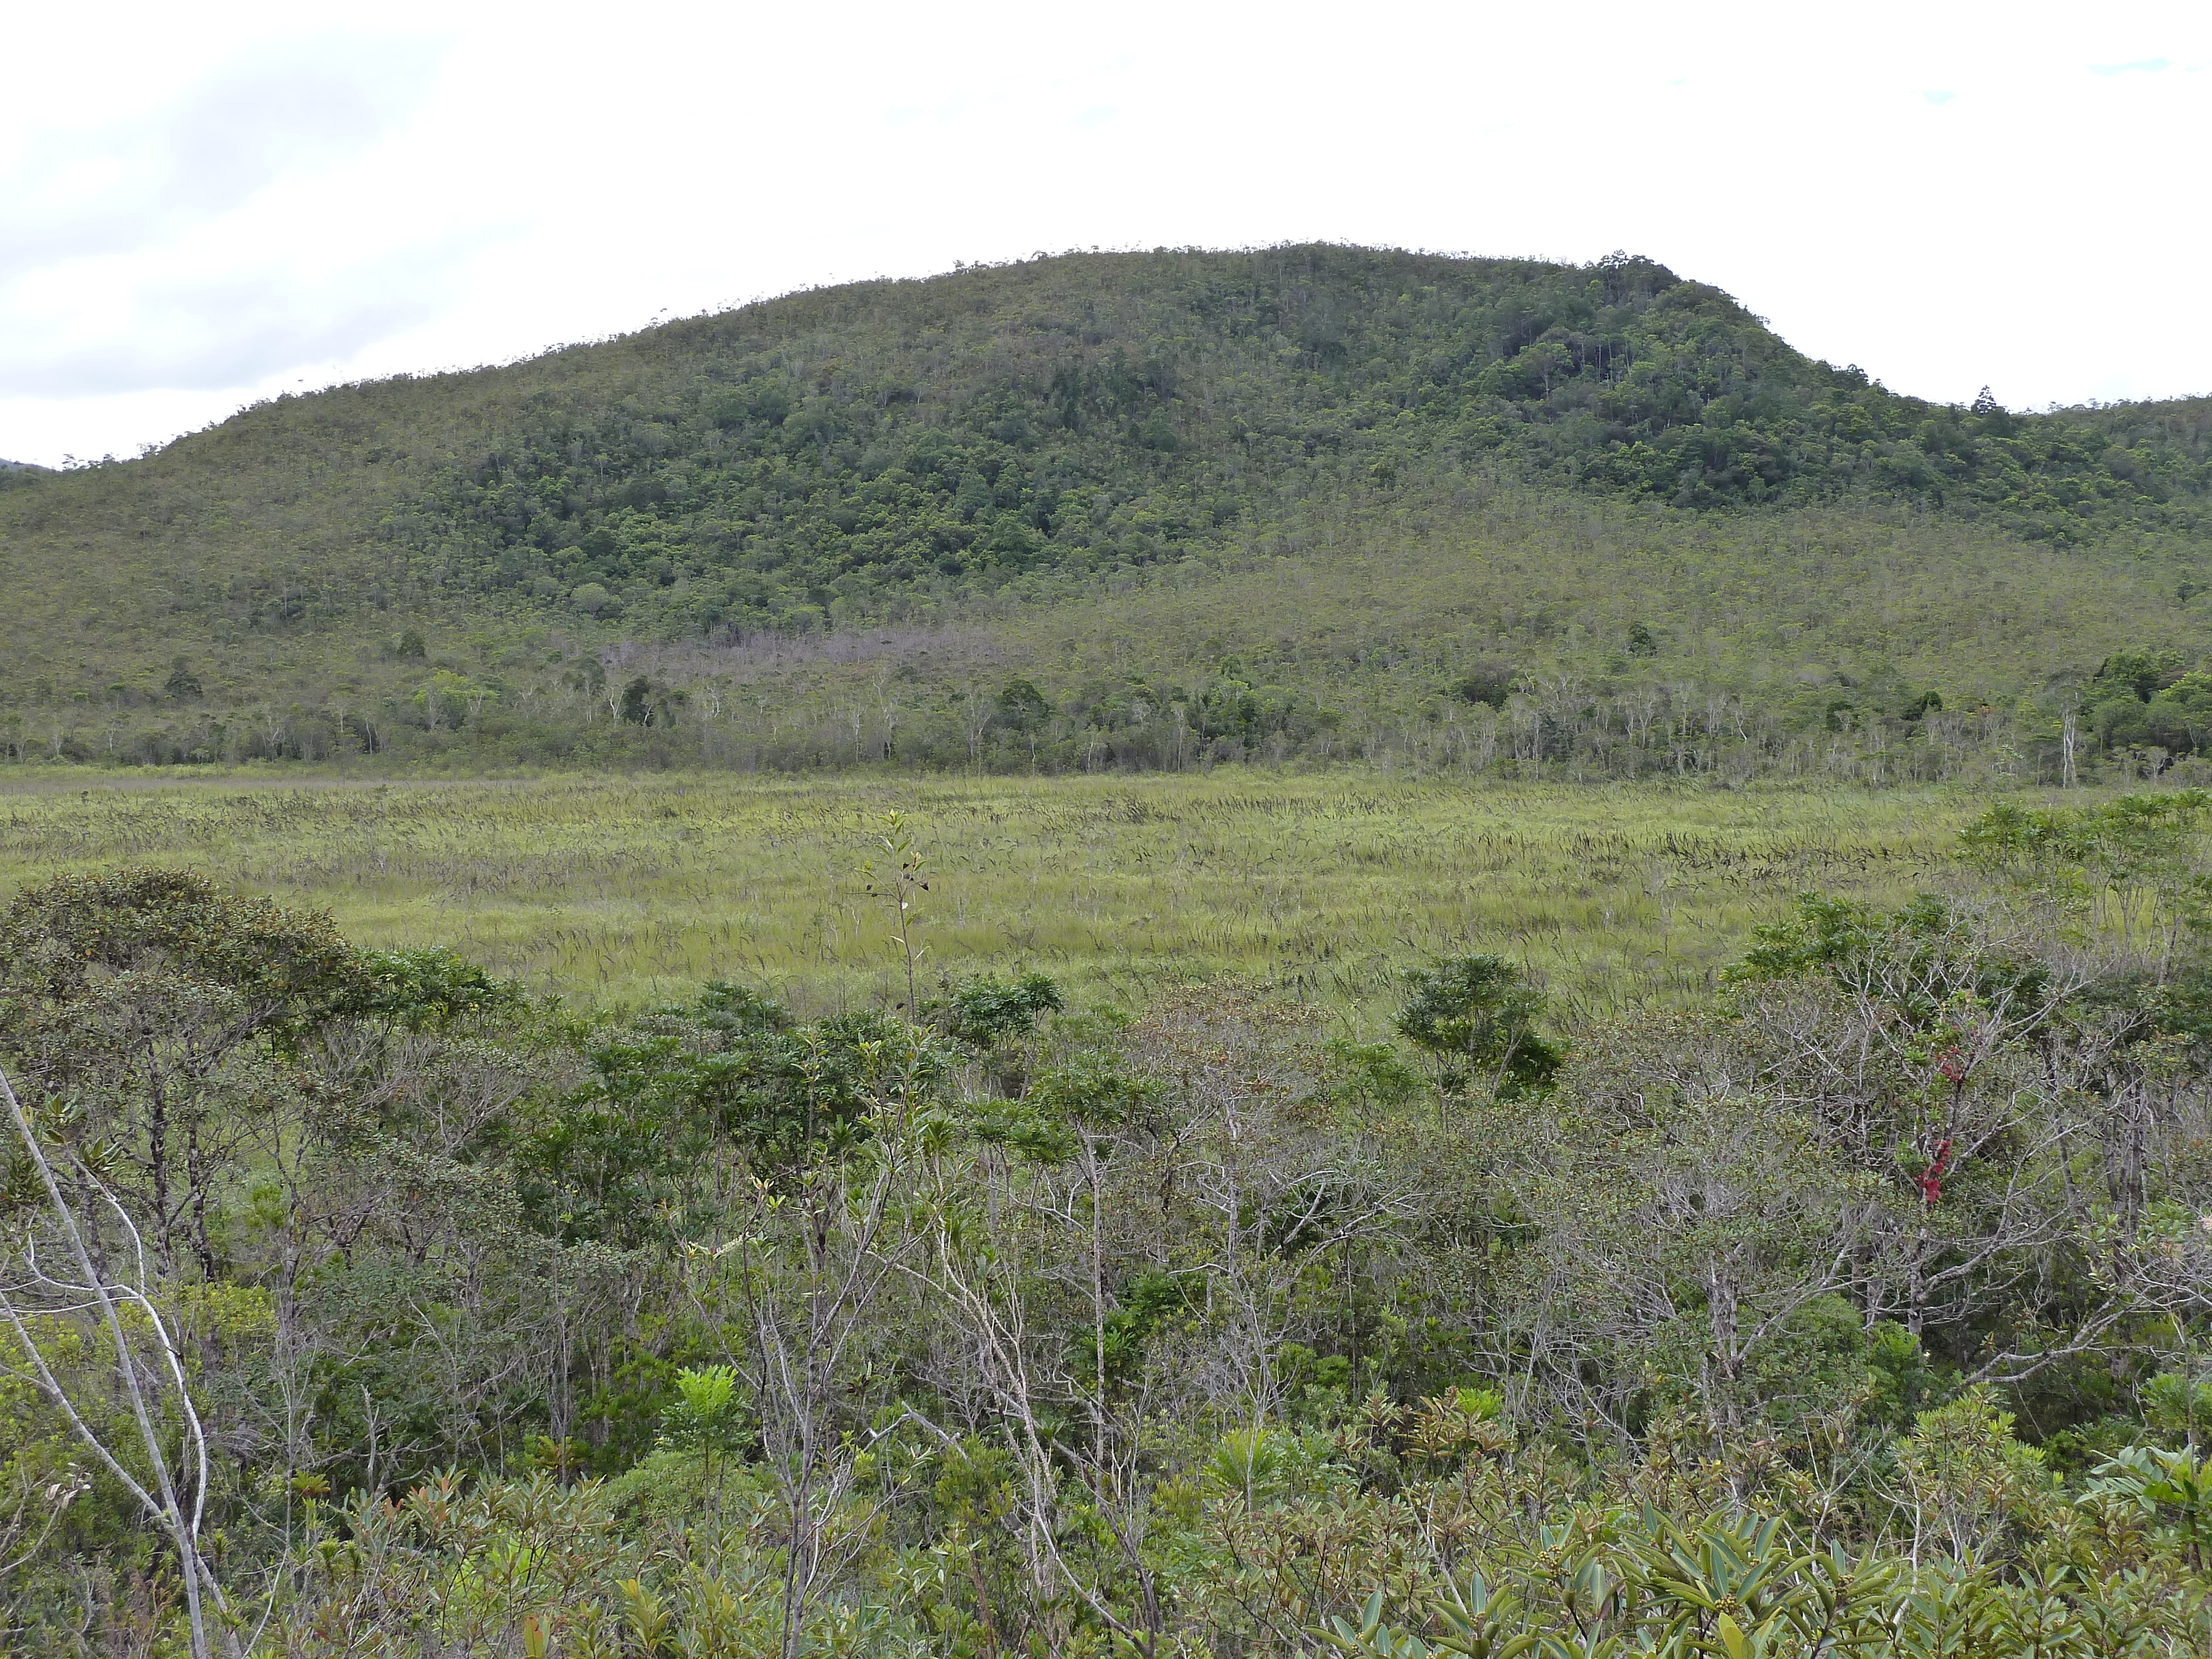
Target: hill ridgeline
(1131,509)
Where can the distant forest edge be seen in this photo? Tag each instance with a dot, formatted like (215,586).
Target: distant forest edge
(1140,510)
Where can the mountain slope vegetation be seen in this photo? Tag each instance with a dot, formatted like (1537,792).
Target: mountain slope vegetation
(1000,456)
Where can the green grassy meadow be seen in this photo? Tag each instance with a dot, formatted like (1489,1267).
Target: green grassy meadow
(628,890)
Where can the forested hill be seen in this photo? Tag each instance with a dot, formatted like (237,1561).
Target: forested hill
(883,449)
(822,454)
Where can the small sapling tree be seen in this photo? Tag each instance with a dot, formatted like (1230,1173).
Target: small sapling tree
(1474,1018)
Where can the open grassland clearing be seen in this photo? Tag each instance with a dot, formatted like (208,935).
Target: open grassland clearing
(625,889)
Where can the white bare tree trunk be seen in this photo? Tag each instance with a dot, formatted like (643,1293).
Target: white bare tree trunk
(28,1289)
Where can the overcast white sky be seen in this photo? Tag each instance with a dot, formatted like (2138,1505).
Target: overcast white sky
(201,206)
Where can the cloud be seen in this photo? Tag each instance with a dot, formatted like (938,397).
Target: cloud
(203,242)
(148,177)
(99,330)
(2141,66)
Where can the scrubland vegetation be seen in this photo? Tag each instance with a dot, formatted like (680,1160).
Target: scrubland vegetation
(955,1297)
(1313,950)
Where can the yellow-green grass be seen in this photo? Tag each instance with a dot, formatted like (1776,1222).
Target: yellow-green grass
(631,889)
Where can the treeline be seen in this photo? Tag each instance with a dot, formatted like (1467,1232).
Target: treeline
(2141,716)
(356,1301)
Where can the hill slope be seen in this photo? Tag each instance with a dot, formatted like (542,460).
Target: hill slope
(1019,455)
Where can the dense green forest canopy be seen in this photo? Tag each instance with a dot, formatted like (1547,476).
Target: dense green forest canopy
(1034,433)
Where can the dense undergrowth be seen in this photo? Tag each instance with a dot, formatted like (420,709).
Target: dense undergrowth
(1861,1308)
